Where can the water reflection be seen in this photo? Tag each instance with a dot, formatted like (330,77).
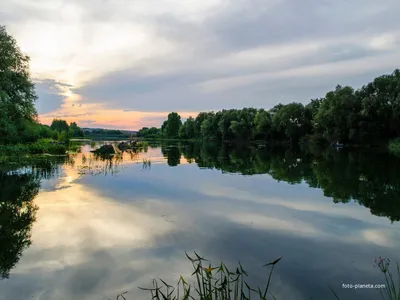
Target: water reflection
(17,214)
(172,153)
(100,235)
(367,177)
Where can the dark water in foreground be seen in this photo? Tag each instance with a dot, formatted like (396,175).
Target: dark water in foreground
(86,228)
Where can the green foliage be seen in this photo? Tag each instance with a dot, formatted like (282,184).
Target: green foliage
(75,130)
(17,92)
(370,115)
(291,120)
(39,147)
(59,125)
(394,146)
(213,283)
(106,132)
(150,133)
(173,125)
(142,144)
(186,131)
(337,115)
(262,124)
(18,117)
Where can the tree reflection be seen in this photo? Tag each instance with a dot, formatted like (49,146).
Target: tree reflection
(172,153)
(367,177)
(17,214)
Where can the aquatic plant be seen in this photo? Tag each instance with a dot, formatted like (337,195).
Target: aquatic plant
(394,146)
(212,283)
(38,147)
(146,163)
(392,290)
(142,144)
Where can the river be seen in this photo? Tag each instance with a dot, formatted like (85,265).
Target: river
(84,227)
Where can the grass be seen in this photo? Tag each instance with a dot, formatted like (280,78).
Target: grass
(146,164)
(394,146)
(44,146)
(392,290)
(220,283)
(212,283)
(142,144)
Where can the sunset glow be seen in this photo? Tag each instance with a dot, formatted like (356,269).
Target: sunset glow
(128,64)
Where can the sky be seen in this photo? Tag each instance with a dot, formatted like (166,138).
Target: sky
(127,64)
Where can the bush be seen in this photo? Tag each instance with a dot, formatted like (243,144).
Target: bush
(394,146)
(142,144)
(43,146)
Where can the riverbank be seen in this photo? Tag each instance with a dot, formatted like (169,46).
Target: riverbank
(39,147)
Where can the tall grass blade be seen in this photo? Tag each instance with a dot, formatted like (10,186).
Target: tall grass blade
(336,296)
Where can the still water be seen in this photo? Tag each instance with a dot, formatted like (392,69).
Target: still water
(83,227)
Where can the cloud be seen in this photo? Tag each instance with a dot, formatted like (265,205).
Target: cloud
(229,218)
(50,96)
(151,57)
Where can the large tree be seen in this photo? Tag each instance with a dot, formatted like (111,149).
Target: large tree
(59,125)
(17,91)
(174,123)
(187,129)
(292,121)
(338,115)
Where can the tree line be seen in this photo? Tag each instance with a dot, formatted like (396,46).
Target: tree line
(368,115)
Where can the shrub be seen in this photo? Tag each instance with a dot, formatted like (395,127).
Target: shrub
(394,146)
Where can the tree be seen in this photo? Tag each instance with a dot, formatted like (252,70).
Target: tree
(187,129)
(209,127)
(17,91)
(59,125)
(75,130)
(338,115)
(198,122)
(164,128)
(262,124)
(173,125)
(380,107)
(367,115)
(291,120)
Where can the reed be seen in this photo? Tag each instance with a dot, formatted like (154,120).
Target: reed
(212,283)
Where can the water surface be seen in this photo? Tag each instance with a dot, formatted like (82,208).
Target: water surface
(88,228)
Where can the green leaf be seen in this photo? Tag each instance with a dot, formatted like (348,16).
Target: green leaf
(273,263)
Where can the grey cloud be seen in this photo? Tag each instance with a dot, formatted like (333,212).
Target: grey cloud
(52,82)
(258,22)
(178,92)
(69,115)
(242,25)
(49,98)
